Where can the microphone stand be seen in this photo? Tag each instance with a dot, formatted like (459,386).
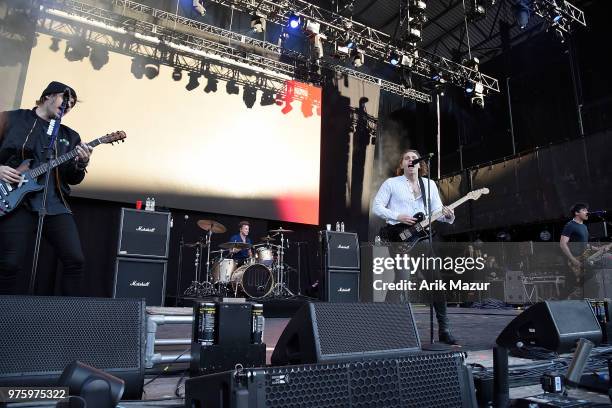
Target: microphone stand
(52,131)
(180,262)
(431,251)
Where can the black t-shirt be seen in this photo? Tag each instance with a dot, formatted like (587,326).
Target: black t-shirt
(578,235)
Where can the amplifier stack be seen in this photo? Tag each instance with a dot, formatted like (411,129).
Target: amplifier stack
(341,266)
(142,256)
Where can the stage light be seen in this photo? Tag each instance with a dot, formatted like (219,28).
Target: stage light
(258,24)
(545,235)
(249,96)
(151,70)
(232,88)
(98,57)
(177,74)
(97,388)
(293,21)
(394,58)
(211,84)
(137,68)
(503,236)
(198,5)
(193,81)
(76,50)
(54,44)
(522,12)
(473,63)
(358,57)
(267,98)
(317,46)
(407,79)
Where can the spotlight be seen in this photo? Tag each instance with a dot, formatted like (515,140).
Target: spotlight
(317,46)
(478,98)
(97,388)
(249,96)
(231,88)
(76,50)
(267,98)
(293,21)
(394,58)
(211,85)
(54,44)
(198,5)
(151,70)
(177,74)
(193,81)
(472,63)
(522,11)
(258,24)
(137,68)
(358,57)
(98,57)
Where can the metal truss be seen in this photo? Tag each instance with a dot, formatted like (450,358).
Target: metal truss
(559,13)
(210,41)
(376,44)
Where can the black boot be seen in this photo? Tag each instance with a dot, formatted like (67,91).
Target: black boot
(447,338)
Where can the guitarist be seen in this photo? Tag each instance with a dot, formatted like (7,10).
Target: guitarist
(23,135)
(398,200)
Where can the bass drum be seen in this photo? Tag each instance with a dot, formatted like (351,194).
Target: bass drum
(254,280)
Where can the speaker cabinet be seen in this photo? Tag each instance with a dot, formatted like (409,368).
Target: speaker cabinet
(40,336)
(553,325)
(419,380)
(342,250)
(514,289)
(144,233)
(329,332)
(342,286)
(140,278)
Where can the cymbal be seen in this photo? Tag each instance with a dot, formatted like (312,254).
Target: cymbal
(267,238)
(208,225)
(195,244)
(280,230)
(235,245)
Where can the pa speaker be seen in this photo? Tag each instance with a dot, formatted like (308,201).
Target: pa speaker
(330,332)
(40,336)
(140,278)
(420,380)
(342,250)
(144,233)
(553,325)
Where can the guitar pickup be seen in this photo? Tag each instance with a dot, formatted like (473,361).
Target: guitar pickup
(3,189)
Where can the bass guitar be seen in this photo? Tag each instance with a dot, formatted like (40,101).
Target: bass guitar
(412,234)
(11,194)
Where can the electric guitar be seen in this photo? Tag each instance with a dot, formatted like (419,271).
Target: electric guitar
(11,194)
(588,258)
(412,234)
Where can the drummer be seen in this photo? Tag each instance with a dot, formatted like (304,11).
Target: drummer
(240,256)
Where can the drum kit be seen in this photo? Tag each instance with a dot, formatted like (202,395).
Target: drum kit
(260,276)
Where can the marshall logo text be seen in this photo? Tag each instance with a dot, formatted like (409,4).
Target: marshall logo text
(140,284)
(145,229)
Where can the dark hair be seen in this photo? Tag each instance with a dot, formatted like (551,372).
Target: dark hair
(423,170)
(577,207)
(243,223)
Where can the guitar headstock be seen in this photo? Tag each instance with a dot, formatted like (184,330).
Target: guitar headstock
(111,138)
(475,195)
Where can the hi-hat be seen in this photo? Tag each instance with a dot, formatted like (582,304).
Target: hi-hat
(267,238)
(195,244)
(210,225)
(235,245)
(280,230)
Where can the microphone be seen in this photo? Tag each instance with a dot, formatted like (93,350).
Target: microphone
(598,212)
(422,158)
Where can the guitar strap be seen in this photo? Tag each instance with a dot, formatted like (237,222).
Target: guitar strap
(422,186)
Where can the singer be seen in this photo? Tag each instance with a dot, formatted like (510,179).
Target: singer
(397,200)
(23,135)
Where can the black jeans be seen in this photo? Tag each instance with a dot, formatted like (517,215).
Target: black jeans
(18,232)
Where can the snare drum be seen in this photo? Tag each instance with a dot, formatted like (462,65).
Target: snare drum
(222,270)
(265,256)
(253,280)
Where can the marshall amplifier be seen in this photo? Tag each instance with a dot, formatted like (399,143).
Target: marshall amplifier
(144,233)
(342,285)
(140,278)
(342,250)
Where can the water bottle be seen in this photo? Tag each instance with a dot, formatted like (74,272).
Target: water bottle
(148,204)
(342,226)
(337,226)
(152,203)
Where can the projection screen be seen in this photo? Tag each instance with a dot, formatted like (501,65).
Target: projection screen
(189,149)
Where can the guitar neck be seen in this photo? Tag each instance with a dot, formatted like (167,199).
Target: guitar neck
(439,214)
(43,168)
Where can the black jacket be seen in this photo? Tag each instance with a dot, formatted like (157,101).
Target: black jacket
(18,132)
